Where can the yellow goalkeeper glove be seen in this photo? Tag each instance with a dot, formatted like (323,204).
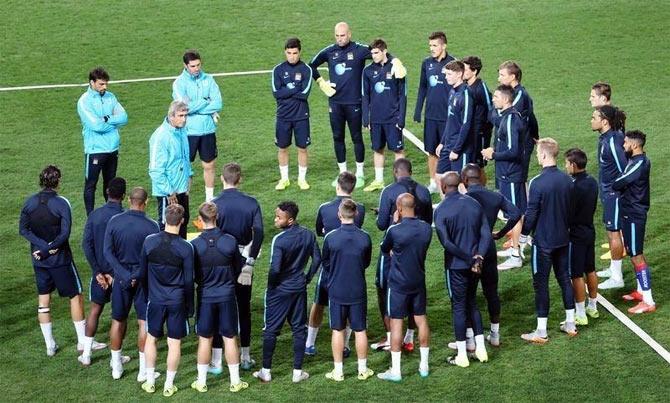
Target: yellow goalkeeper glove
(398,70)
(326,87)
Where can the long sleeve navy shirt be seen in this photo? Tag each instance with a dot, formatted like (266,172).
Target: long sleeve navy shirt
(384,96)
(93,240)
(291,84)
(327,219)
(408,241)
(481,98)
(634,187)
(389,195)
(289,253)
(509,150)
(493,202)
(217,263)
(457,136)
(347,252)
(584,199)
(611,158)
(345,66)
(433,89)
(240,216)
(524,104)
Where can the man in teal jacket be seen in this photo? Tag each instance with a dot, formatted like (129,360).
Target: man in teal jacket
(203,97)
(101,117)
(169,164)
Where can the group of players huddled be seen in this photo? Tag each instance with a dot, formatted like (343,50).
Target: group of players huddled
(148,264)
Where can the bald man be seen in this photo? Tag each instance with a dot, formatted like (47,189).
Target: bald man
(346,60)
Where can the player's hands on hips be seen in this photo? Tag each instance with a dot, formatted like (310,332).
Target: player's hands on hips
(245,276)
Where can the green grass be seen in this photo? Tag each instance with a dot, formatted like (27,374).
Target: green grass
(563,48)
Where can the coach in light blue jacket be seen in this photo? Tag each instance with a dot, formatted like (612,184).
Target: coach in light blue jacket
(101,117)
(169,165)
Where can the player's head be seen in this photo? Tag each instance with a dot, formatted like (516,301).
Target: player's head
(346,182)
(607,117)
(405,205)
(601,93)
(473,66)
(231,174)
(509,73)
(437,42)
(503,97)
(177,113)
(378,50)
(98,79)
(634,142)
(575,161)
(286,214)
(402,167)
(192,62)
(547,151)
(174,215)
(342,34)
(116,189)
(138,198)
(454,72)
(347,211)
(207,213)
(449,182)
(50,177)
(471,175)
(292,49)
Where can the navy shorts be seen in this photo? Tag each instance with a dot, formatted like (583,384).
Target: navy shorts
(582,258)
(444,164)
(98,294)
(65,279)
(354,314)
(515,193)
(633,235)
(217,318)
(400,305)
(432,134)
(285,130)
(172,316)
(383,267)
(205,145)
(611,217)
(321,291)
(386,135)
(123,297)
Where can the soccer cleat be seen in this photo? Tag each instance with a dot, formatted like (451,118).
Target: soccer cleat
(606,256)
(51,350)
(200,387)
(238,387)
(148,387)
(365,374)
(581,320)
(335,376)
(311,350)
(494,339)
(170,391)
(346,352)
(303,185)
(642,307)
(459,360)
(214,370)
(247,365)
(142,376)
(605,273)
(592,312)
(389,376)
(381,345)
(432,188)
(360,181)
(469,345)
(374,185)
(635,295)
(569,328)
(512,262)
(262,377)
(481,354)
(408,347)
(302,377)
(534,337)
(610,283)
(84,360)
(424,372)
(95,346)
(117,371)
(282,184)
(507,252)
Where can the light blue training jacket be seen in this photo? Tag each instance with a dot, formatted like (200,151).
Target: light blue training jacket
(203,97)
(169,163)
(100,136)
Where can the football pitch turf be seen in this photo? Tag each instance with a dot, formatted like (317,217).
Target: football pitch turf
(563,48)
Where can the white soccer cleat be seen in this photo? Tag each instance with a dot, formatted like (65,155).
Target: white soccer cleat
(96,345)
(505,252)
(607,273)
(494,339)
(610,284)
(302,377)
(51,350)
(117,371)
(512,262)
(84,360)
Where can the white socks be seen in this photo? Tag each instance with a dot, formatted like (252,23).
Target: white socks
(88,344)
(347,336)
(48,335)
(234,370)
(169,379)
(495,327)
(593,303)
(423,364)
(647,298)
(143,364)
(80,328)
(379,174)
(615,268)
(542,325)
(409,336)
(569,315)
(479,341)
(362,365)
(461,348)
(337,368)
(202,373)
(283,172)
(359,168)
(116,357)
(151,378)
(388,338)
(217,354)
(302,172)
(209,194)
(342,166)
(245,356)
(395,362)
(311,336)
(580,309)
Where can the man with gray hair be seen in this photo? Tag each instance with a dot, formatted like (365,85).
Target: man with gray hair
(169,164)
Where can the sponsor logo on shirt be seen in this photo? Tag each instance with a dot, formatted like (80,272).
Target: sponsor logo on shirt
(350,56)
(298,76)
(389,76)
(381,87)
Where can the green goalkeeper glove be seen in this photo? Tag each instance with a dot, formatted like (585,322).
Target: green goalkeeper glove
(398,70)
(326,87)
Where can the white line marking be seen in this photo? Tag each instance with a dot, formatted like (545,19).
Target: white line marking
(414,140)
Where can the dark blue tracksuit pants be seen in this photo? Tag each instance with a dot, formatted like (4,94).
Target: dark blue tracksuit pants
(279,308)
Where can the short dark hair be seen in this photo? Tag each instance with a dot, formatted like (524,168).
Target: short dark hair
(138,195)
(602,88)
(378,43)
(293,43)
(208,212)
(116,188)
(174,213)
(438,35)
(512,68)
(50,177)
(455,65)
(348,209)
(474,62)
(577,156)
(290,208)
(191,55)
(613,115)
(637,136)
(232,172)
(402,164)
(98,73)
(347,181)
(506,90)
(471,172)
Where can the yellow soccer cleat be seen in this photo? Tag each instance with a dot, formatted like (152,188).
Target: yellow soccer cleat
(375,185)
(200,387)
(365,374)
(335,376)
(238,387)
(303,185)
(170,391)
(148,387)
(282,184)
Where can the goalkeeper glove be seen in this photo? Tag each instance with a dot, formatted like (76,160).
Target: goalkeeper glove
(398,70)
(326,87)
(245,276)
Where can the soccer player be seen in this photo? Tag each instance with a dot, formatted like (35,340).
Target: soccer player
(508,156)
(457,143)
(46,221)
(166,271)
(201,94)
(407,242)
(582,236)
(169,164)
(100,288)
(481,97)
(327,219)
(550,204)
(384,105)
(101,117)
(492,202)
(464,232)
(434,90)
(286,295)
(634,187)
(346,60)
(402,171)
(122,246)
(291,82)
(346,254)
(217,263)
(240,216)
(600,94)
(608,122)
